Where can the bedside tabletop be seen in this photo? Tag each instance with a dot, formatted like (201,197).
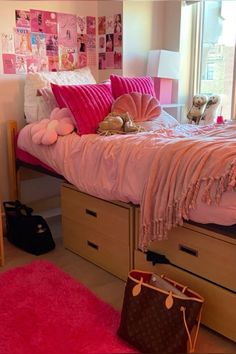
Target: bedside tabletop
(177,108)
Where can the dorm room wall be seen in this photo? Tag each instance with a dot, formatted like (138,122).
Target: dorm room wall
(12,88)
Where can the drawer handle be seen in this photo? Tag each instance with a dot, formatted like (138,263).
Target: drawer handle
(188,250)
(93,245)
(91,212)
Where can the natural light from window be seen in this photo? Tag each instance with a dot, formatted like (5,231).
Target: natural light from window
(218,50)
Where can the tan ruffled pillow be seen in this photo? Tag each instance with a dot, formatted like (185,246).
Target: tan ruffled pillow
(140,106)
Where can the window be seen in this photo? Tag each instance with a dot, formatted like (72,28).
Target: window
(216,52)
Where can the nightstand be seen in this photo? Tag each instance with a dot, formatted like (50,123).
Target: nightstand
(175,110)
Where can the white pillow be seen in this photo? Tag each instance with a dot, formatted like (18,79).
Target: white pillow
(35,107)
(164,120)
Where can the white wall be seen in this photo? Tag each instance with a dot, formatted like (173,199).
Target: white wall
(143,30)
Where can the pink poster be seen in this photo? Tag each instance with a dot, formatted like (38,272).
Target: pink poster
(102,61)
(37,20)
(50,22)
(102,44)
(102,25)
(110,60)
(7,43)
(117,23)
(9,63)
(38,42)
(68,58)
(82,40)
(118,60)
(91,42)
(91,25)
(32,64)
(82,60)
(21,64)
(53,63)
(110,24)
(67,30)
(22,41)
(22,18)
(51,45)
(81,24)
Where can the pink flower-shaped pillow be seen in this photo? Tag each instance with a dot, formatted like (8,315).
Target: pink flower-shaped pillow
(140,106)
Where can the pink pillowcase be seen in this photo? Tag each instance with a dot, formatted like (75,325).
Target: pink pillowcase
(121,85)
(89,104)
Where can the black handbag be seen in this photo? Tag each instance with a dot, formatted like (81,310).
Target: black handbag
(26,231)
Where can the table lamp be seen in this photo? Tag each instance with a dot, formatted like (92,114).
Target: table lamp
(163,67)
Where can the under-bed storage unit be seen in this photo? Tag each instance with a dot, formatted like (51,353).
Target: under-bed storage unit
(98,230)
(205,261)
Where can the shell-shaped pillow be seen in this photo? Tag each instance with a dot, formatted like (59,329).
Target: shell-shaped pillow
(140,106)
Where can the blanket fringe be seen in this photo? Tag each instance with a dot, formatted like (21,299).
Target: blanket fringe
(179,209)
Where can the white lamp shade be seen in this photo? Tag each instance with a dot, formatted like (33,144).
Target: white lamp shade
(163,64)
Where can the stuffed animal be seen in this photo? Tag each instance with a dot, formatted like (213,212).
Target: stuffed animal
(210,111)
(196,111)
(118,123)
(47,130)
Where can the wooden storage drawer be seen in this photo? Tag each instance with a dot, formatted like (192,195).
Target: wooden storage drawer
(98,230)
(219,311)
(205,253)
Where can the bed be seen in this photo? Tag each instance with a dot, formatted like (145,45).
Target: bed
(101,211)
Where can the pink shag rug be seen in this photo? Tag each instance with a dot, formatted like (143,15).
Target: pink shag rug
(43,310)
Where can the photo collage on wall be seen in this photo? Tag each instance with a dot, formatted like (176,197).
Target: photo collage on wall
(48,41)
(110,42)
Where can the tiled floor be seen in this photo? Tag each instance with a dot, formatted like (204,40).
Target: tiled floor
(105,285)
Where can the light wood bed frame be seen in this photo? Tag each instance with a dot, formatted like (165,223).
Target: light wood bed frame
(195,269)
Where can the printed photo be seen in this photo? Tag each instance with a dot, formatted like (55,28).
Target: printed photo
(7,43)
(82,60)
(91,25)
(50,22)
(82,42)
(38,41)
(51,45)
(117,24)
(110,60)
(81,24)
(68,58)
(118,40)
(117,60)
(102,25)
(91,42)
(102,61)
(102,44)
(37,20)
(67,30)
(22,41)
(22,18)
(53,63)
(21,65)
(109,42)
(9,63)
(32,64)
(110,24)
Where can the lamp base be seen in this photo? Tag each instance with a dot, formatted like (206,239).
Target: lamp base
(163,89)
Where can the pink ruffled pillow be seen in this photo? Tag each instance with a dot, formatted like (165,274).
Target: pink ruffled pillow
(140,106)
(121,85)
(89,104)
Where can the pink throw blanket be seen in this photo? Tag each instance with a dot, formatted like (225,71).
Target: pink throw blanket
(166,172)
(180,168)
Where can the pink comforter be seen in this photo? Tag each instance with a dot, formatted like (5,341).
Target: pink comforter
(166,172)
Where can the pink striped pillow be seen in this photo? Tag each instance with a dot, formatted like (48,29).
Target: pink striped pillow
(121,85)
(89,104)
